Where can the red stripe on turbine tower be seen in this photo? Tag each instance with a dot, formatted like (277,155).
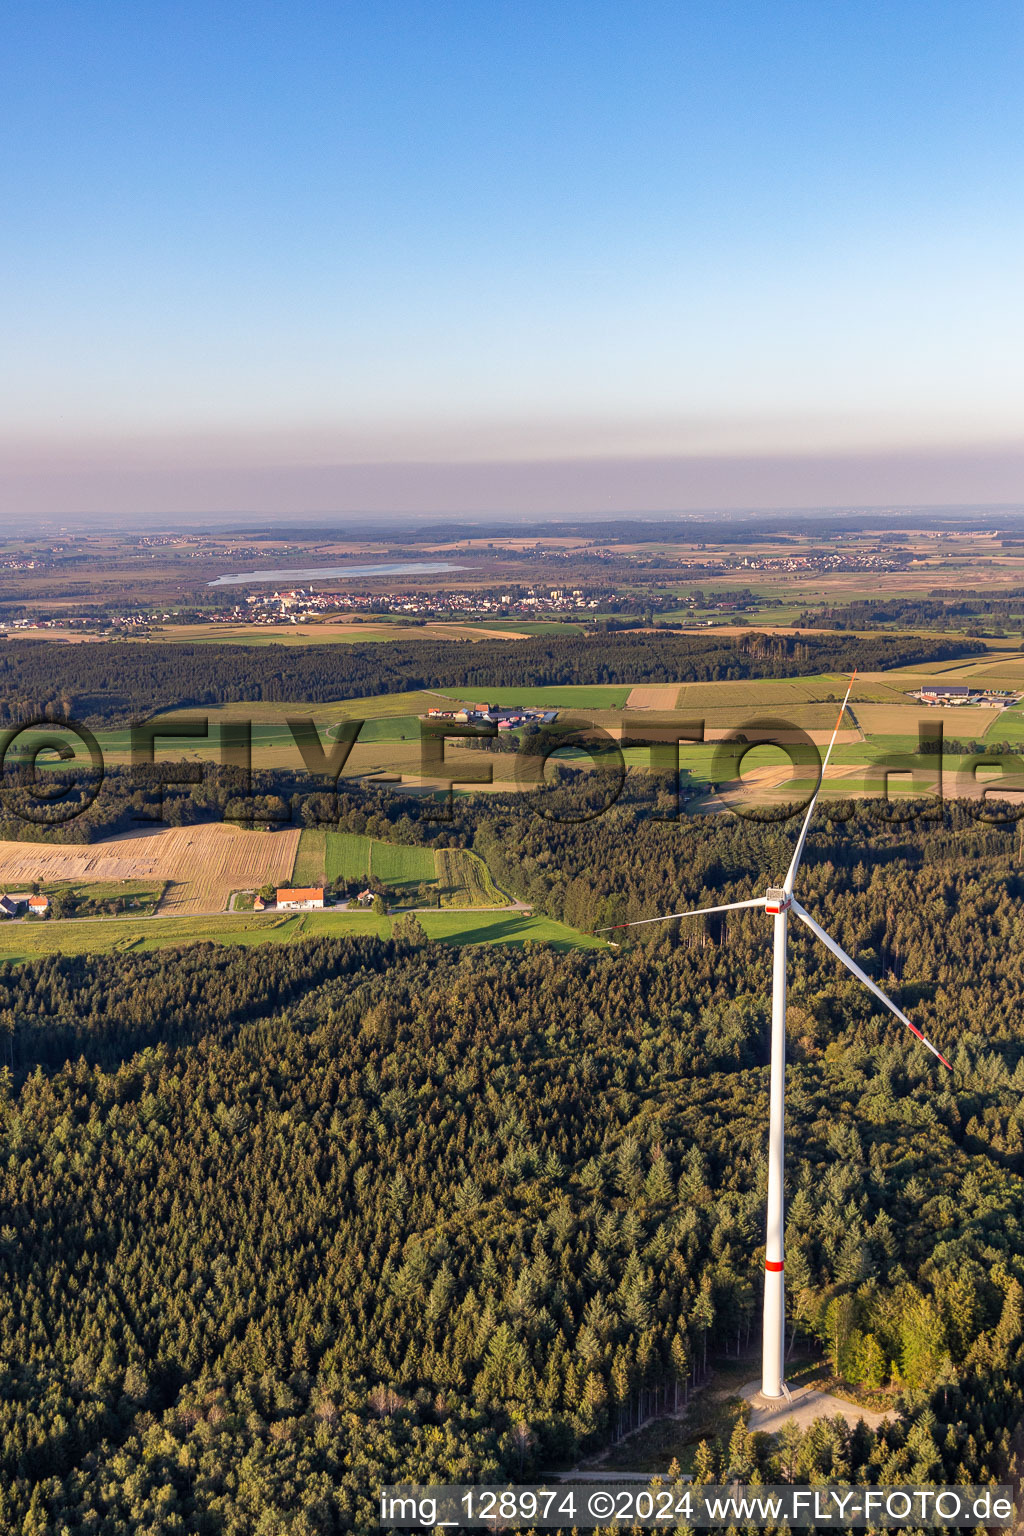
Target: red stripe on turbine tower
(775,1268)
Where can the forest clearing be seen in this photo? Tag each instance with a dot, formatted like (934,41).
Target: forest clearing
(325,855)
(458,877)
(465,880)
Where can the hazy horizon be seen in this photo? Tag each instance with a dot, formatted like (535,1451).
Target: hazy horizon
(553,490)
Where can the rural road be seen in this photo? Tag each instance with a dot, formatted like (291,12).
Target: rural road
(147,917)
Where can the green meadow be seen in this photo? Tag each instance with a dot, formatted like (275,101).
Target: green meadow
(326,855)
(29,939)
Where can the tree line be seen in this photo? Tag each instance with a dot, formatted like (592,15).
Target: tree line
(942,609)
(115,683)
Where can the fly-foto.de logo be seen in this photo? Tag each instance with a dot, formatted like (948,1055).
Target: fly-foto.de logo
(53,768)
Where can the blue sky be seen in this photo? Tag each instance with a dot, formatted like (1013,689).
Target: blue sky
(241,241)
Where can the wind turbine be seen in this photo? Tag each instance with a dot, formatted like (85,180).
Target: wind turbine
(778,902)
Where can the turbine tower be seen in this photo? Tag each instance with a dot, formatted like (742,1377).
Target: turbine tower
(778,902)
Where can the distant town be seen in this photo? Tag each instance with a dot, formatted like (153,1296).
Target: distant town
(307,602)
(297,605)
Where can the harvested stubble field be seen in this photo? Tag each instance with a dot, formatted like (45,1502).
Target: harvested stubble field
(1000,674)
(964,722)
(818,720)
(775,693)
(220,859)
(653,696)
(959,669)
(721,721)
(463,765)
(202,865)
(789,731)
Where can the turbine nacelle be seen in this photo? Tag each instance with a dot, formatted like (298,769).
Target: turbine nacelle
(777,900)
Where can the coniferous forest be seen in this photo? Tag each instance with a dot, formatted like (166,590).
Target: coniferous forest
(281,1225)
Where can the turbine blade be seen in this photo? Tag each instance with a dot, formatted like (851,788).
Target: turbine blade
(787,884)
(730,906)
(851,965)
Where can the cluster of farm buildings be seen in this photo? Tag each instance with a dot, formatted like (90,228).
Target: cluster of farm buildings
(492,714)
(303,898)
(962,693)
(24,903)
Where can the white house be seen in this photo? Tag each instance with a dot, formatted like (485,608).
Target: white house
(300,898)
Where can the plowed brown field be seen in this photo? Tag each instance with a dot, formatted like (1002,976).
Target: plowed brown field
(653,696)
(203,864)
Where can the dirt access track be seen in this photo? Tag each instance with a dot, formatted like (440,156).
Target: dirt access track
(202,864)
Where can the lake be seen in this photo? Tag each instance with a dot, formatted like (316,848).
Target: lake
(319,572)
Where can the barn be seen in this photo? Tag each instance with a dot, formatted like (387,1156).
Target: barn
(946,693)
